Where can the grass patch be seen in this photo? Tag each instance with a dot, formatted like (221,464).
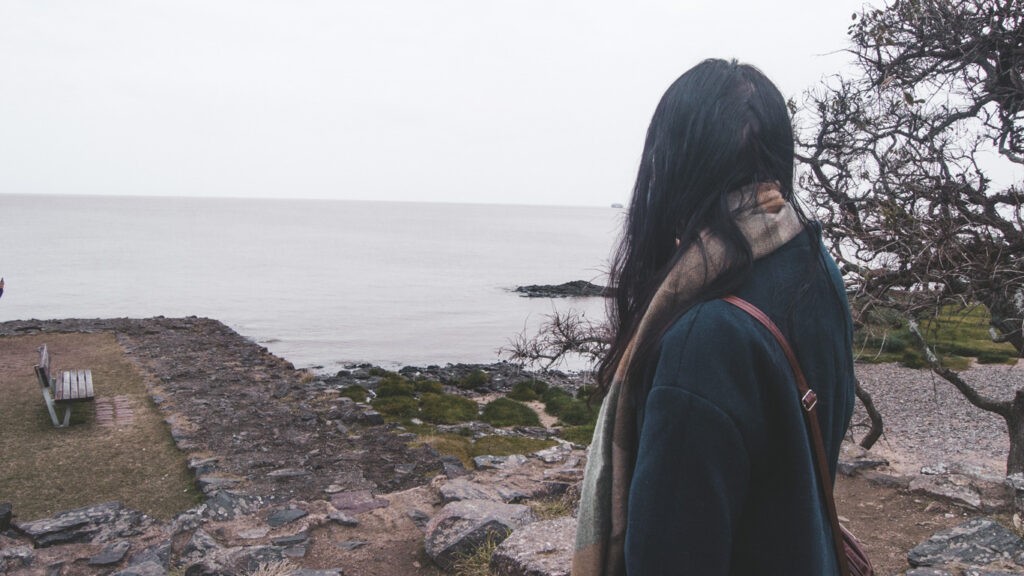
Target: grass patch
(428,387)
(581,435)
(957,335)
(447,409)
(394,387)
(465,449)
(551,508)
(46,470)
(477,562)
(508,412)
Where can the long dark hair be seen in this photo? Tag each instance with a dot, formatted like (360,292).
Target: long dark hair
(720,126)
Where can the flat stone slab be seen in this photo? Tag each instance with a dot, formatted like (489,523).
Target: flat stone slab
(541,549)
(111,554)
(978,542)
(82,524)
(357,501)
(952,487)
(288,515)
(460,527)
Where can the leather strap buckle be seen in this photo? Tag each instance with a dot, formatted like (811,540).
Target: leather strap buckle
(809,401)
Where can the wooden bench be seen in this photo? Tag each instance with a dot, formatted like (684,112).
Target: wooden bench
(73,386)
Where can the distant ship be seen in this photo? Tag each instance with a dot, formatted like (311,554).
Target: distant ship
(617,205)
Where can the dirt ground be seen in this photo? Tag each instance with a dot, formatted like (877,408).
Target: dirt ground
(387,542)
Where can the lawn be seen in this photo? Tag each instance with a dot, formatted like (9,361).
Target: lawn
(45,469)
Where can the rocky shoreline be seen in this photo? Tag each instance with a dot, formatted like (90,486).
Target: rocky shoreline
(292,471)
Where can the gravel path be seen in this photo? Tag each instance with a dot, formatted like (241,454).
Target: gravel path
(928,421)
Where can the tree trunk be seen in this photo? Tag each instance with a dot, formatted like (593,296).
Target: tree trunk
(876,418)
(1015,426)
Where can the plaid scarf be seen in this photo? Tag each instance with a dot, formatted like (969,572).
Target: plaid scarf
(767,222)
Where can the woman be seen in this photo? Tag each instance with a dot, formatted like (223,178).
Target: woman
(701,462)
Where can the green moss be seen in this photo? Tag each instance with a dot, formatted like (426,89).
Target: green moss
(473,380)
(508,412)
(451,445)
(400,407)
(447,409)
(578,434)
(355,392)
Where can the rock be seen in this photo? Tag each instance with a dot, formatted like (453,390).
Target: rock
(309,572)
(17,555)
(291,540)
(952,487)
(143,569)
(928,572)
(226,505)
(342,518)
(111,554)
(574,289)
(247,559)
(851,466)
(372,418)
(418,517)
(210,483)
(452,467)
(499,462)
(555,454)
(200,545)
(159,554)
(543,549)
(101,522)
(6,513)
(295,552)
(978,542)
(282,517)
(463,489)
(462,526)
(357,501)
(351,545)
(286,473)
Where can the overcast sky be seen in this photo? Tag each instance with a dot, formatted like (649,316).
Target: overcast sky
(511,101)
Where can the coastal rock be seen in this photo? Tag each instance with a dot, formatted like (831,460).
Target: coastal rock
(543,549)
(463,489)
(462,526)
(978,542)
(574,289)
(286,516)
(226,505)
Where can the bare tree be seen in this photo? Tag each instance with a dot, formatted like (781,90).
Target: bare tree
(560,336)
(901,160)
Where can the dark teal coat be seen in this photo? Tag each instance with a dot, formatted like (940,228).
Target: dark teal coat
(724,480)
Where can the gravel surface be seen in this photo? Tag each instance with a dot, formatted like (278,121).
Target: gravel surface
(928,422)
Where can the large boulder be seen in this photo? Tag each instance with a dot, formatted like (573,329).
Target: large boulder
(100,523)
(461,527)
(543,549)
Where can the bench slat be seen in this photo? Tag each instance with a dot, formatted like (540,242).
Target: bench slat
(62,388)
(88,383)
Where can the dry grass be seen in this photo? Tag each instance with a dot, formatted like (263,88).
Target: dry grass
(47,469)
(477,562)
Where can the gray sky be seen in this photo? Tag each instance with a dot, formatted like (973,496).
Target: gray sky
(525,101)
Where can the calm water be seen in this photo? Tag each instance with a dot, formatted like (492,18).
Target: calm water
(321,283)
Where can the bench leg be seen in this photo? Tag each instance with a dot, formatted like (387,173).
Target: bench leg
(53,412)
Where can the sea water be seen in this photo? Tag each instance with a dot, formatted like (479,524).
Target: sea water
(320,283)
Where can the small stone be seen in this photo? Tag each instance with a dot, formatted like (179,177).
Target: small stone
(343,519)
(334,489)
(418,517)
(292,539)
(111,554)
(253,533)
(285,473)
(357,501)
(294,552)
(351,545)
(282,517)
(23,555)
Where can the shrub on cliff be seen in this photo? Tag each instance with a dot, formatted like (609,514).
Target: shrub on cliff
(394,387)
(473,380)
(401,407)
(556,401)
(447,409)
(508,412)
(428,387)
(528,390)
(355,392)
